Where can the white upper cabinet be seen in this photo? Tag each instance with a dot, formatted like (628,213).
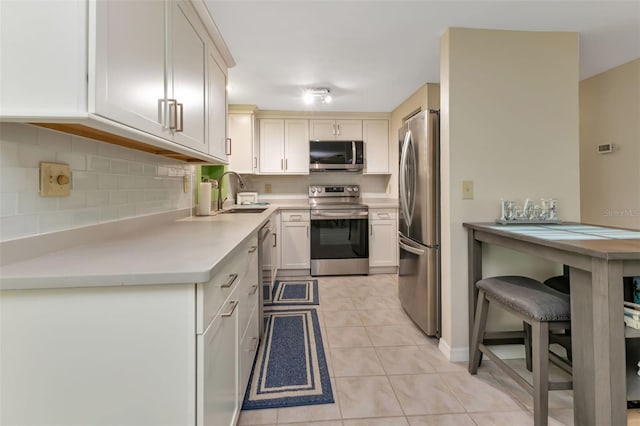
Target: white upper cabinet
(241,132)
(326,130)
(284,146)
(140,71)
(187,77)
(130,64)
(219,147)
(375,134)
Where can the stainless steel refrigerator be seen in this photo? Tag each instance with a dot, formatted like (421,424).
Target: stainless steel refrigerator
(419,224)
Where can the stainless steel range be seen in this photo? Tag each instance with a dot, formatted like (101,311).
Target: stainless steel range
(339,231)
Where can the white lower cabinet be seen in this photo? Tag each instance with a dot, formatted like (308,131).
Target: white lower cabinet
(295,241)
(171,354)
(383,236)
(218,402)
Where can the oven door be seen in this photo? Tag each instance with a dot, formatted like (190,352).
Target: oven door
(339,242)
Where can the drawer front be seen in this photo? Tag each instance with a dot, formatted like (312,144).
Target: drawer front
(382,214)
(249,295)
(248,349)
(217,290)
(296,216)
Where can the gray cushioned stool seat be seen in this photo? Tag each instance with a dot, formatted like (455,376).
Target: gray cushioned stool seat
(528,297)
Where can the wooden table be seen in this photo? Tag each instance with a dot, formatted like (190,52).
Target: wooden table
(598,259)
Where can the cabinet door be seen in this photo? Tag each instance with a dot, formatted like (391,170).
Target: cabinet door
(348,130)
(130,64)
(248,349)
(217,102)
(296,144)
(375,134)
(271,146)
(383,243)
(322,130)
(219,372)
(295,245)
(242,158)
(187,77)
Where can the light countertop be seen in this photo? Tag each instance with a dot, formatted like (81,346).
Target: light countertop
(187,250)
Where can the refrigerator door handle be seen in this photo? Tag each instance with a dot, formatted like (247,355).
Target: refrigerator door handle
(413,250)
(403,182)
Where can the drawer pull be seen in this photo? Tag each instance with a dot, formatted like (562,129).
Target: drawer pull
(296,217)
(233,308)
(275,239)
(253,249)
(232,278)
(255,288)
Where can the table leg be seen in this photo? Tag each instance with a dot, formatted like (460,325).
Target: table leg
(474,248)
(597,334)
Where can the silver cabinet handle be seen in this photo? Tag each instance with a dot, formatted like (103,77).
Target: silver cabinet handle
(255,288)
(255,162)
(253,249)
(333,129)
(282,164)
(295,217)
(232,278)
(173,114)
(275,239)
(161,111)
(233,308)
(338,129)
(307,231)
(228,143)
(371,229)
(180,128)
(286,163)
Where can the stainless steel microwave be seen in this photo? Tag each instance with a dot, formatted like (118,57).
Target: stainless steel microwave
(336,155)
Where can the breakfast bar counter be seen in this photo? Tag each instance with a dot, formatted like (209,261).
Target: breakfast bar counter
(598,258)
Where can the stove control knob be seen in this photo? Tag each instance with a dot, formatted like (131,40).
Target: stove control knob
(349,188)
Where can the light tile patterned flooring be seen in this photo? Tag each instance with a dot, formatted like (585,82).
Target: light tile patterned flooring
(386,372)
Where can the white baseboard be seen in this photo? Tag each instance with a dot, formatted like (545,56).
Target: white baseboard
(462,354)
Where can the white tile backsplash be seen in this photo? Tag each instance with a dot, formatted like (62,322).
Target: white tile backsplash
(109,182)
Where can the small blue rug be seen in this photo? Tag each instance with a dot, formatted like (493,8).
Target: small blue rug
(290,368)
(299,292)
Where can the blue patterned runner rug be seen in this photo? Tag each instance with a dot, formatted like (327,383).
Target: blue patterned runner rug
(298,292)
(290,368)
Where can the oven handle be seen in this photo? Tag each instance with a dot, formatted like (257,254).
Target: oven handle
(342,215)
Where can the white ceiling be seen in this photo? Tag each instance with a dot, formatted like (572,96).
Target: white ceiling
(373,54)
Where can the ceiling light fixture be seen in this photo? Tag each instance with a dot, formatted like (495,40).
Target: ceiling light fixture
(321,93)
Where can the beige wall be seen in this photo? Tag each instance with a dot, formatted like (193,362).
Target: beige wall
(509,107)
(610,113)
(426,97)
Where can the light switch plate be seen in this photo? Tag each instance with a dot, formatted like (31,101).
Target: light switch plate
(467,190)
(55,180)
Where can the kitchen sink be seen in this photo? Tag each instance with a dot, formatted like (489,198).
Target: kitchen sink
(245,210)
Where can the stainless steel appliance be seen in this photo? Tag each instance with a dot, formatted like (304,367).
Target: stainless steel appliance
(266,266)
(336,155)
(339,231)
(419,223)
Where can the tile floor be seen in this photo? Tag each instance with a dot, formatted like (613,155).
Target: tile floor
(386,372)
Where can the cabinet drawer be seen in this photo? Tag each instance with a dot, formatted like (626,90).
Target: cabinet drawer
(212,294)
(296,216)
(248,349)
(382,214)
(248,295)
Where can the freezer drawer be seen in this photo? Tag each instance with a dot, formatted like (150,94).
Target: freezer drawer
(418,284)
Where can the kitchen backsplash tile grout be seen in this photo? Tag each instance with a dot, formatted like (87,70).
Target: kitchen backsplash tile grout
(108,182)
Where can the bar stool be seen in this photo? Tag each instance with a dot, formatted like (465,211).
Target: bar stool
(537,305)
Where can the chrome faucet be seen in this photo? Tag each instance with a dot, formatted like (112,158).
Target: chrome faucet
(228,172)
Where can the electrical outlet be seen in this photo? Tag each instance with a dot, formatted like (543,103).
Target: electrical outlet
(467,190)
(267,188)
(55,180)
